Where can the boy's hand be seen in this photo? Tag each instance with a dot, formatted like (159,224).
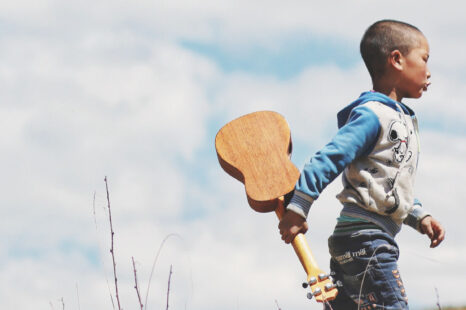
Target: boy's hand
(433,229)
(292,224)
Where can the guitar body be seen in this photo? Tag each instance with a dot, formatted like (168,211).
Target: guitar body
(255,149)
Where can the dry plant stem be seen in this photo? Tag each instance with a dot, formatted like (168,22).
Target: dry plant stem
(278,307)
(77,294)
(93,210)
(63,303)
(169,280)
(136,284)
(155,262)
(365,271)
(112,249)
(438,299)
(97,231)
(328,304)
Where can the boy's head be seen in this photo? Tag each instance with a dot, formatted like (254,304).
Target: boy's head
(388,44)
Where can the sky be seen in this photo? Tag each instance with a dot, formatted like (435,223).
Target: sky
(136,91)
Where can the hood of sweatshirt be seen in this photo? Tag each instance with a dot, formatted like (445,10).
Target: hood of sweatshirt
(343,115)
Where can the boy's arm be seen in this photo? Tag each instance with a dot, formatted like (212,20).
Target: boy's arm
(356,138)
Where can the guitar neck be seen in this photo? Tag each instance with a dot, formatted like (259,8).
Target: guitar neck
(305,256)
(301,247)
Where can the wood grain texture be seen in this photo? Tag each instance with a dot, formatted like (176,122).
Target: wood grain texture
(255,150)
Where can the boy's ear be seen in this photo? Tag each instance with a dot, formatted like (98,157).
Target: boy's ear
(396,60)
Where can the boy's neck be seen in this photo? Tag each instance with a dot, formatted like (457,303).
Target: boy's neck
(387,89)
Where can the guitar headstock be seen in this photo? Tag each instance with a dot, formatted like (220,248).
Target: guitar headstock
(321,286)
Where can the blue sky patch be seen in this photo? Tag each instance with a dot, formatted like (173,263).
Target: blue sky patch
(285,59)
(91,253)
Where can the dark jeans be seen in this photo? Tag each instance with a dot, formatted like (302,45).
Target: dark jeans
(365,263)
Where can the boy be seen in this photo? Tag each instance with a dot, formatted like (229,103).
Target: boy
(377,150)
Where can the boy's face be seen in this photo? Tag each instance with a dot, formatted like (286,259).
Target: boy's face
(415,74)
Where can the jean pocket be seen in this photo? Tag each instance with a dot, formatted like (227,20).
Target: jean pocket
(360,287)
(381,285)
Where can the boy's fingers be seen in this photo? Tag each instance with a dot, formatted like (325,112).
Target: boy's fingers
(304,228)
(442,235)
(439,236)
(285,233)
(429,231)
(290,225)
(285,236)
(435,242)
(288,237)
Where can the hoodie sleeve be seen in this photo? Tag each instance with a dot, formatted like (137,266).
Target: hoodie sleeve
(416,215)
(356,138)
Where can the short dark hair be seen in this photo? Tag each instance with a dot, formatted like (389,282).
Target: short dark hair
(383,37)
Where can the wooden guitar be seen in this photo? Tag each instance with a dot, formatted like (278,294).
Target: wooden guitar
(255,149)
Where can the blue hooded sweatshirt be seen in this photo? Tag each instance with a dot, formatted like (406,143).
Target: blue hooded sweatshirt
(359,132)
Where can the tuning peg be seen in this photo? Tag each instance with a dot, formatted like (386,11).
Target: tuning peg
(309,295)
(312,281)
(339,283)
(329,286)
(323,276)
(317,291)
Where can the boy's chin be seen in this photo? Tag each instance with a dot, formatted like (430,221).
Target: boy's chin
(415,95)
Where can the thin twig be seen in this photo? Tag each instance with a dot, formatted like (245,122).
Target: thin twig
(63,303)
(328,304)
(103,262)
(93,210)
(112,249)
(438,299)
(365,271)
(278,307)
(155,262)
(111,296)
(136,284)
(169,280)
(77,294)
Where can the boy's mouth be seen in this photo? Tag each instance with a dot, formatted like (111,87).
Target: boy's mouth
(426,85)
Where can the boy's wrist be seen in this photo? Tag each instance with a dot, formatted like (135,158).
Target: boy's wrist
(415,217)
(300,203)
(421,227)
(297,210)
